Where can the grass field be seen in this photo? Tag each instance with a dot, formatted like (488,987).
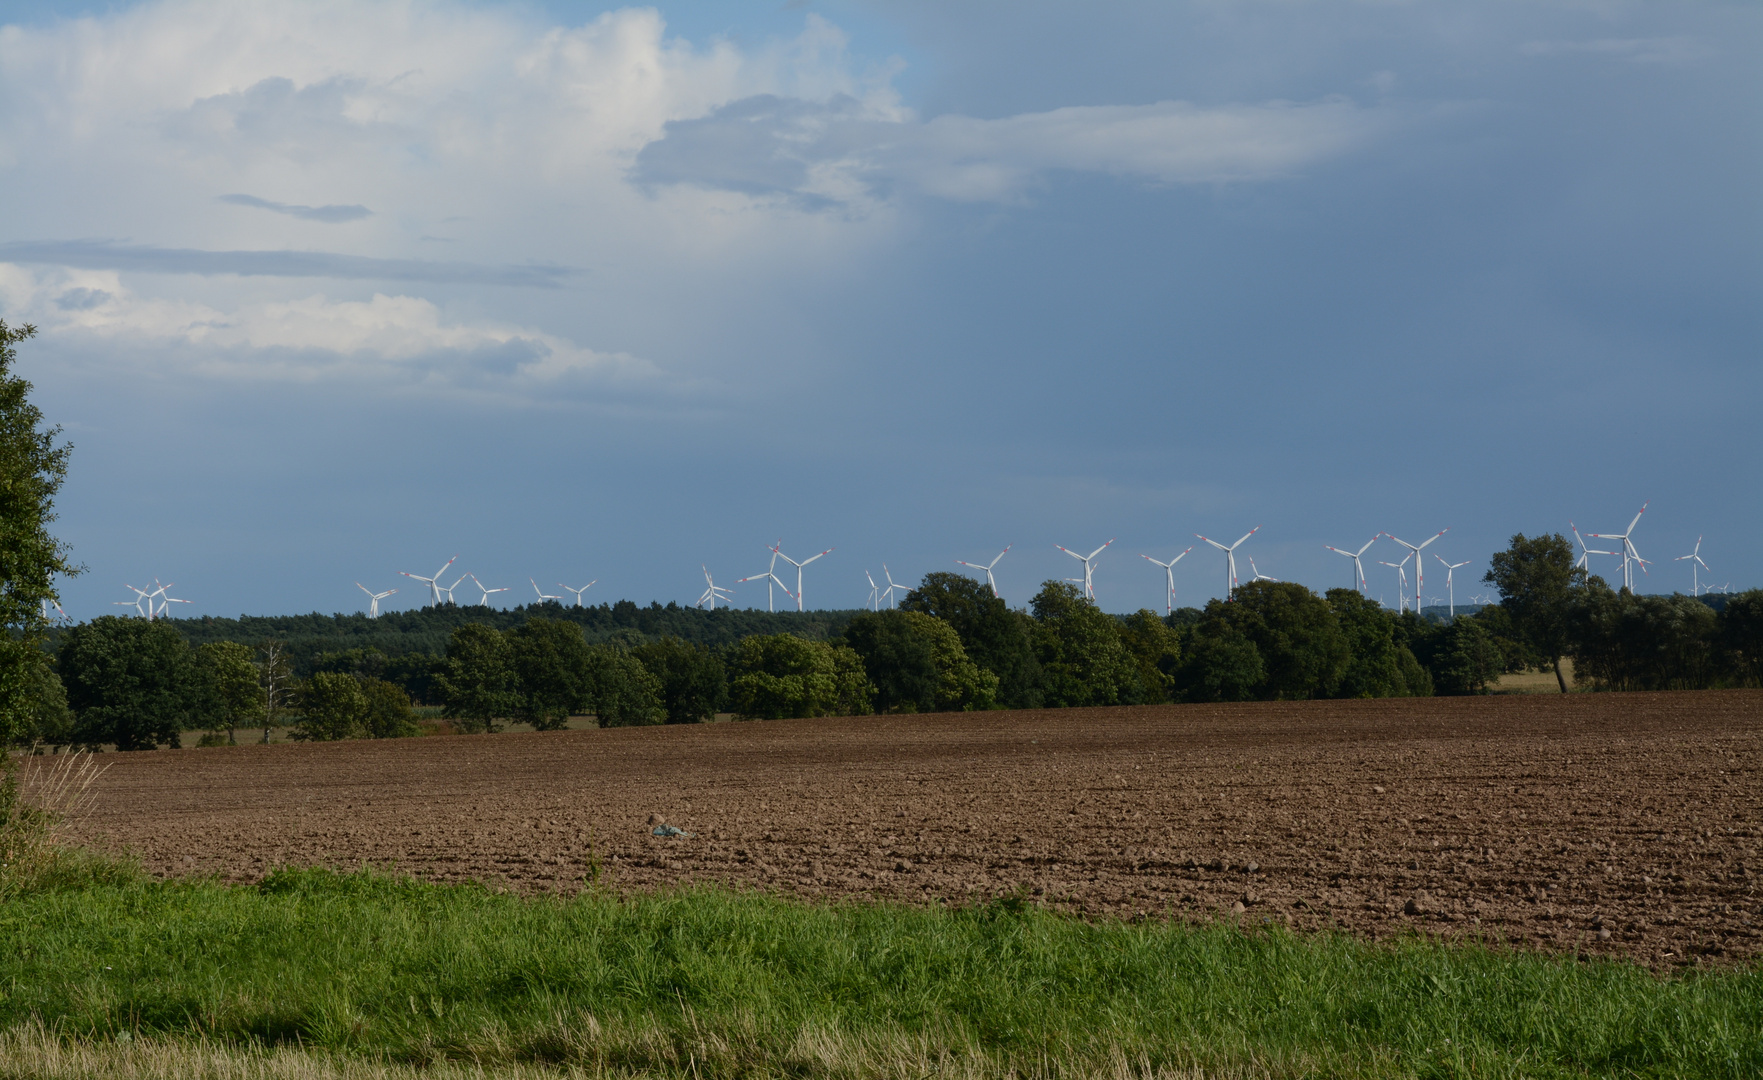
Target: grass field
(317,973)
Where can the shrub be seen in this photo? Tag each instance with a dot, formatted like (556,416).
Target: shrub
(773,676)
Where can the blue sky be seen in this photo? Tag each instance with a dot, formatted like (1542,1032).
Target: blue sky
(573,291)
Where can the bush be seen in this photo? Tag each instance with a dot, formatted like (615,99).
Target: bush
(388,711)
(332,707)
(620,690)
(774,676)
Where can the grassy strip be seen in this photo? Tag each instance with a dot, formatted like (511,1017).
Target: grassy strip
(713,983)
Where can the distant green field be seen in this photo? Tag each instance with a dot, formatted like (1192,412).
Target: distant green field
(315,973)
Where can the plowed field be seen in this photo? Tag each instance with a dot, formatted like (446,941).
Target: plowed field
(1598,822)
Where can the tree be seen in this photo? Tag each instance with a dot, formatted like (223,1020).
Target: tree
(1155,647)
(1221,664)
(691,677)
(916,664)
(332,707)
(1297,635)
(131,682)
(993,636)
(32,468)
(388,710)
(774,676)
(1741,636)
(1082,658)
(1377,664)
(231,696)
(620,690)
(1537,582)
(478,684)
(550,659)
(1468,659)
(48,720)
(276,678)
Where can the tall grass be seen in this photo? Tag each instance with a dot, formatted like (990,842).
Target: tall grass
(39,800)
(705,982)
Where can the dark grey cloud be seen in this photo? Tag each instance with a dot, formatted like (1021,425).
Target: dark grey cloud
(330,215)
(143,258)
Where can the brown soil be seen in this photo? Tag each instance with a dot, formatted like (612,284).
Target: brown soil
(1537,820)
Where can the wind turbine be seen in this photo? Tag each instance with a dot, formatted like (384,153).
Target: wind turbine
(140,595)
(892,587)
(1585,553)
(988,568)
(799,566)
(713,593)
(1629,554)
(434,583)
(1230,558)
(483,601)
(1259,576)
(1169,574)
(1401,581)
(1695,558)
(373,599)
(1358,568)
(165,600)
(542,595)
(771,578)
(1089,566)
(874,592)
(1419,572)
(577,592)
(457,582)
(59,615)
(1450,568)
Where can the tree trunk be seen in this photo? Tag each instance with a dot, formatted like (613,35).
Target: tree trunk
(1559,676)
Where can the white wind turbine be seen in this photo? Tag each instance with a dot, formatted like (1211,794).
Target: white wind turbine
(1695,558)
(713,593)
(483,601)
(1401,581)
(434,583)
(893,587)
(1585,553)
(1419,572)
(1259,576)
(1230,558)
(165,601)
(1450,591)
(543,596)
(1169,576)
(1629,554)
(1358,568)
(577,592)
(874,592)
(456,583)
(373,599)
(1089,582)
(988,568)
(799,566)
(140,595)
(771,578)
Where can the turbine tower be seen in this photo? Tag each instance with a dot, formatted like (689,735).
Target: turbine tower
(434,583)
(988,568)
(1230,558)
(798,566)
(1419,573)
(1358,568)
(892,587)
(577,592)
(771,578)
(1169,575)
(373,599)
(542,595)
(483,601)
(874,592)
(713,593)
(1629,554)
(1450,568)
(1401,582)
(1089,566)
(1259,576)
(1695,558)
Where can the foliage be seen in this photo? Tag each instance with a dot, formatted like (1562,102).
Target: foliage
(1741,636)
(773,676)
(916,664)
(230,695)
(1377,665)
(620,690)
(388,710)
(1292,636)
(1621,641)
(691,678)
(711,984)
(478,683)
(1468,659)
(1082,658)
(131,682)
(993,636)
(1155,647)
(32,468)
(46,719)
(1221,663)
(1537,582)
(550,659)
(332,706)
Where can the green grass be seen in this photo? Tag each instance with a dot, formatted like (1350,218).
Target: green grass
(700,982)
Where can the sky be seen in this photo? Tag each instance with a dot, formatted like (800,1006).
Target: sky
(330,291)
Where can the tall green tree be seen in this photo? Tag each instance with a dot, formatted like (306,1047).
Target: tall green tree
(774,676)
(1538,582)
(1468,659)
(1377,664)
(994,637)
(1155,648)
(916,664)
(332,707)
(1083,660)
(50,721)
(1741,636)
(32,467)
(231,697)
(388,710)
(621,691)
(131,682)
(550,659)
(478,684)
(691,676)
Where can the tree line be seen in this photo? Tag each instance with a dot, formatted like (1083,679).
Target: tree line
(951,646)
